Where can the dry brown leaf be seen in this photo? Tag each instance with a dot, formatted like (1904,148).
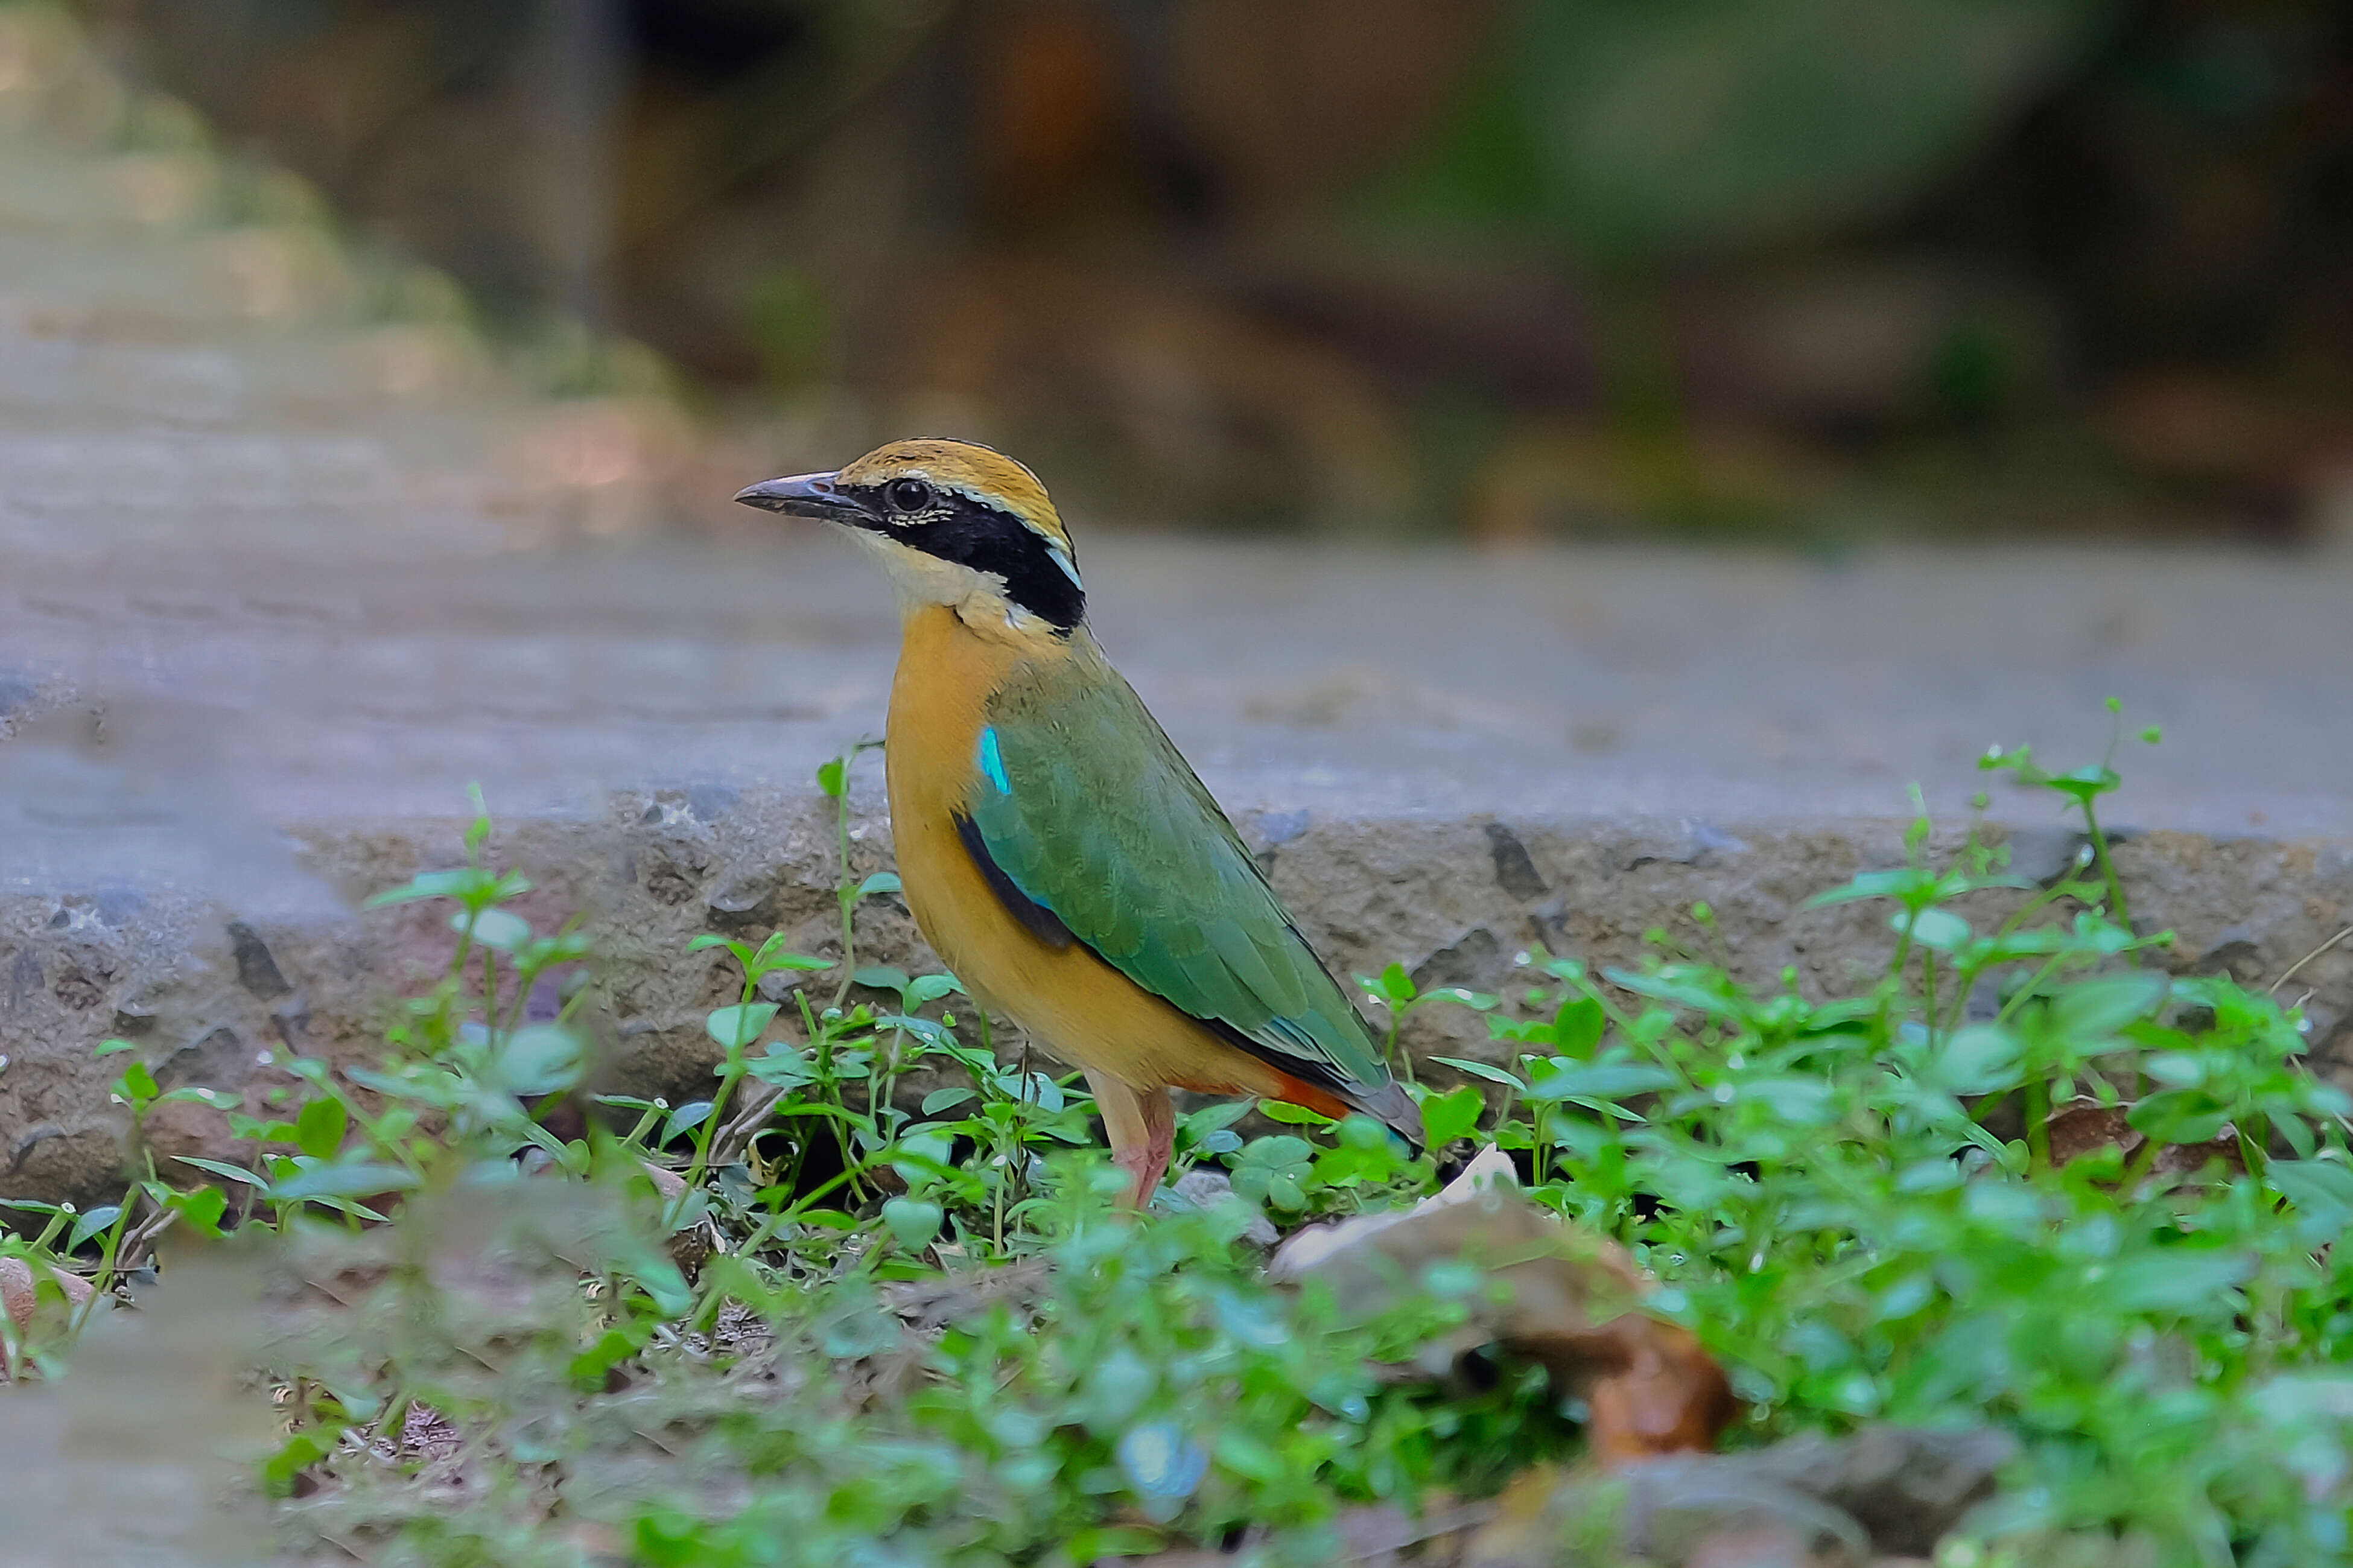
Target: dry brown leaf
(1887,1492)
(1571,1303)
(2083,1130)
(669,1185)
(21,1299)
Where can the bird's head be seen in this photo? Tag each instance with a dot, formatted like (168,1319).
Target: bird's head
(954,521)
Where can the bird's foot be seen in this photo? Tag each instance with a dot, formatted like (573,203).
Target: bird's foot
(1142,1126)
(1145,1166)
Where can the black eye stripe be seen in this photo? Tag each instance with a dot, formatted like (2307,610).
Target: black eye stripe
(971,533)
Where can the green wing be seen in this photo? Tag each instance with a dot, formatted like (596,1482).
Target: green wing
(1087,809)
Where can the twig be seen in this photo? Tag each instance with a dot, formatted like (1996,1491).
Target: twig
(140,1239)
(743,1126)
(1468,1516)
(2273,989)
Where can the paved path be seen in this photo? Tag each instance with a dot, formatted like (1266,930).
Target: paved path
(1570,686)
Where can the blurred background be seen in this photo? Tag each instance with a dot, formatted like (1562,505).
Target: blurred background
(1815,270)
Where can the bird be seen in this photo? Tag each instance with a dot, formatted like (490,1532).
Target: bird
(1055,848)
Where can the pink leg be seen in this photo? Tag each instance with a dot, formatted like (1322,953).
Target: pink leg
(1142,1126)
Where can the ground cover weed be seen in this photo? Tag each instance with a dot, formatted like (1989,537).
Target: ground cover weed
(2023,1175)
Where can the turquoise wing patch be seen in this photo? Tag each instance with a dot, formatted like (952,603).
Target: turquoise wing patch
(992,761)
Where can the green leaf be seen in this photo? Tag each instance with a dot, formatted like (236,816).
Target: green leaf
(927,988)
(319,1126)
(297,1454)
(1805,1101)
(2176,1280)
(1392,985)
(1565,1079)
(593,1366)
(449,884)
(833,777)
(224,1169)
(361,1180)
(932,1035)
(2179,1116)
(538,1058)
(1280,1147)
(1477,1001)
(1368,1151)
(2096,1009)
(923,1153)
(137,1084)
(772,955)
(941,1099)
(878,882)
(201,1207)
(1096,1543)
(783,1064)
(502,930)
(1576,1027)
(1292,1115)
(1341,1167)
(108,1048)
(914,1220)
(1396,984)
(1481,1070)
(1215,1118)
(1271,1171)
(1979,1058)
(91,1223)
(2086,782)
(1886,884)
(1939,929)
(740,1024)
(881,977)
(709,940)
(1452,1115)
(2322,1189)
(686,1119)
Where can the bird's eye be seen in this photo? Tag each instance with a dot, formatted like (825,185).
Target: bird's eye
(908,495)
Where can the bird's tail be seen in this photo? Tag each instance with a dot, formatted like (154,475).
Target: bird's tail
(1393,1107)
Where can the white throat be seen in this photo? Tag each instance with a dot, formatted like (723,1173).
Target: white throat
(921,581)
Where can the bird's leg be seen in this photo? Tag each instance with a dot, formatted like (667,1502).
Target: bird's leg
(1142,1126)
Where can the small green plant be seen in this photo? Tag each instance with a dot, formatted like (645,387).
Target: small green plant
(121,1233)
(2021,1174)
(833,780)
(2082,789)
(1393,990)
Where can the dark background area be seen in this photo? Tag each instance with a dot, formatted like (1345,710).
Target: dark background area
(1798,268)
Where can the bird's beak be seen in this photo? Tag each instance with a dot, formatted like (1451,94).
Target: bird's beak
(803,495)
